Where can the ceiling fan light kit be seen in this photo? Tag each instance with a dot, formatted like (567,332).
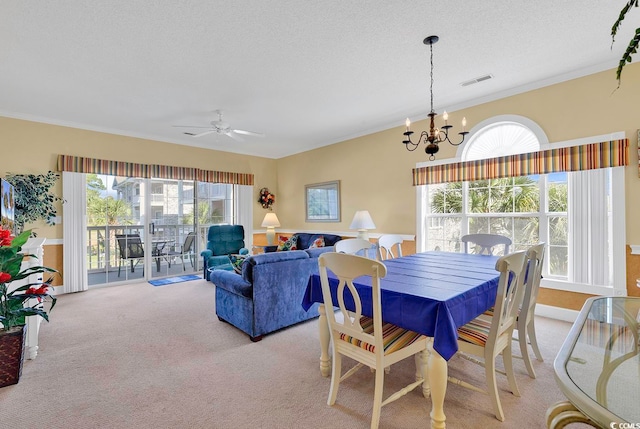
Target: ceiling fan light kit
(220,127)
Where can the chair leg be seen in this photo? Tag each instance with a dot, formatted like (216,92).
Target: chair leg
(522,341)
(377,399)
(492,385)
(531,333)
(507,358)
(336,373)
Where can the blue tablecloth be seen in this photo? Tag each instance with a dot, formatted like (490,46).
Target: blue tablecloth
(433,293)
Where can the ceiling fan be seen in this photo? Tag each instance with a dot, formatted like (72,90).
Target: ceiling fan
(219,127)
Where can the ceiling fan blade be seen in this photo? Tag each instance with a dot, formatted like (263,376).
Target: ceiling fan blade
(231,133)
(189,126)
(204,133)
(248,133)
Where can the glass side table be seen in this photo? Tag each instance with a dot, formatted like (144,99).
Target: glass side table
(598,366)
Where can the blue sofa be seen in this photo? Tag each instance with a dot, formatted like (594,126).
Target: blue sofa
(306,239)
(267,296)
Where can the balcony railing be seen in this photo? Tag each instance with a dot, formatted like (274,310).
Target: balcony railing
(102,247)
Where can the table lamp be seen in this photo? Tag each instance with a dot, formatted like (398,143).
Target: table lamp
(362,222)
(271,221)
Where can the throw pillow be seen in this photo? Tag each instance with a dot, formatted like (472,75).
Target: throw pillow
(285,243)
(318,242)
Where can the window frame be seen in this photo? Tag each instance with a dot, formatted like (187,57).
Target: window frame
(618,238)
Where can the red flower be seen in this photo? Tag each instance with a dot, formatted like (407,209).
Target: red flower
(5,277)
(5,237)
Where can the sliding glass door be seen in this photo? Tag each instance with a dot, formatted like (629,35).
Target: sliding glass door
(139,228)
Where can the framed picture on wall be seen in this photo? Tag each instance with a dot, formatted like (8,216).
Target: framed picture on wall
(7,207)
(322,202)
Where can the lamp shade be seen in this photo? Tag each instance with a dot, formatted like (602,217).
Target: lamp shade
(362,220)
(270,220)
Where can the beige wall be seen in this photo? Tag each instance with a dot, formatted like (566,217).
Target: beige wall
(374,170)
(31,147)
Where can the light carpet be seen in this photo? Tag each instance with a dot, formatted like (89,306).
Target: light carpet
(138,356)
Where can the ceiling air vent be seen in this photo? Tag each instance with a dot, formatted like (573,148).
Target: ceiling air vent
(476,80)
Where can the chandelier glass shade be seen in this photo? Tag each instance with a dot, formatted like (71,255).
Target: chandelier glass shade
(434,136)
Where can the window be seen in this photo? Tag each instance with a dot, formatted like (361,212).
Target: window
(323,202)
(572,212)
(215,203)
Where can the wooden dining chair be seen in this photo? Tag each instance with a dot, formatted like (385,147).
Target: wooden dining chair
(488,337)
(368,340)
(354,246)
(386,244)
(485,243)
(525,324)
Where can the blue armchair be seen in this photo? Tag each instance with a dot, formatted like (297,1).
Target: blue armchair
(222,240)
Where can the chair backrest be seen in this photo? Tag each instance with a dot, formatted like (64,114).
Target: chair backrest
(386,243)
(225,239)
(535,258)
(352,246)
(512,268)
(130,246)
(486,242)
(346,268)
(188,242)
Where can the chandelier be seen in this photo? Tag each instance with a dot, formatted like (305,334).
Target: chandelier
(434,136)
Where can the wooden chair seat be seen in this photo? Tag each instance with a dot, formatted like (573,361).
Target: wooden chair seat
(394,338)
(475,332)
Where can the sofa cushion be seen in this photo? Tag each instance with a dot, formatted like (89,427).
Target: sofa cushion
(305,240)
(225,239)
(317,251)
(287,243)
(318,242)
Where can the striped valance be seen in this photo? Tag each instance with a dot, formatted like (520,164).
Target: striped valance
(224,177)
(78,164)
(613,153)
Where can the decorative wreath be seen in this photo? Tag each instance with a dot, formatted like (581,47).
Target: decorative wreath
(266,198)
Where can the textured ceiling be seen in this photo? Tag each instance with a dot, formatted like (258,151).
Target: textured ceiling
(304,73)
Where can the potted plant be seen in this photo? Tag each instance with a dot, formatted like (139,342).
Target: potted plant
(632,48)
(15,303)
(33,198)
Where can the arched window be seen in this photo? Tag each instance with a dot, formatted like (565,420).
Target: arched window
(503,135)
(572,212)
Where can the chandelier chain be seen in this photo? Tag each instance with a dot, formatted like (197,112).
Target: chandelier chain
(431,87)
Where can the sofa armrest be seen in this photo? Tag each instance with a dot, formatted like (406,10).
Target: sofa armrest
(231,282)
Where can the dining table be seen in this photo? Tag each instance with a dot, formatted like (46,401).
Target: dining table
(432,293)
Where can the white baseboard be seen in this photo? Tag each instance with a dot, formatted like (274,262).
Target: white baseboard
(556,313)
